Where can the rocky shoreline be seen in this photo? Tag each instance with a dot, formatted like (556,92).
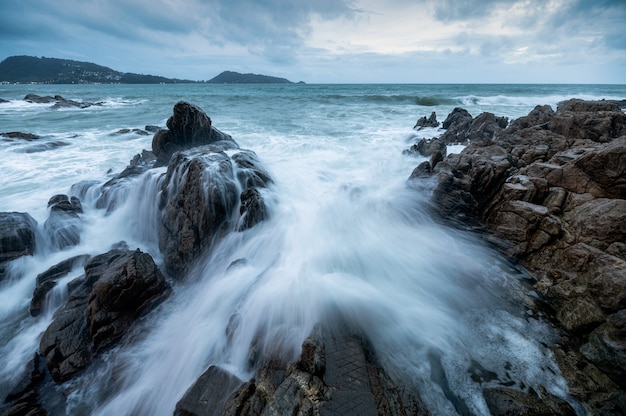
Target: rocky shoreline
(548,190)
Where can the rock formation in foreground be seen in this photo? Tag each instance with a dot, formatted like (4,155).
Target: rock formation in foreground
(551,188)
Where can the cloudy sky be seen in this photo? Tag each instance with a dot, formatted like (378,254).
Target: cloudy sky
(331,41)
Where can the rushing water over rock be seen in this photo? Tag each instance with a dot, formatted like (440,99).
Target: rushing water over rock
(315,229)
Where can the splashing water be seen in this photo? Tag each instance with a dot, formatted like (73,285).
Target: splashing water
(347,244)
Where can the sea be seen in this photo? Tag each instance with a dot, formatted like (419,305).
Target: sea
(347,240)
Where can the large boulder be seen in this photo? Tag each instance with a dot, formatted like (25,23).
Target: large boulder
(18,235)
(550,187)
(188,127)
(118,287)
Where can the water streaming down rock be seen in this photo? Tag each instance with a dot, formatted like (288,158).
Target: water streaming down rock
(390,288)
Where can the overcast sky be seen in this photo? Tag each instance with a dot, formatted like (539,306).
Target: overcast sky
(331,41)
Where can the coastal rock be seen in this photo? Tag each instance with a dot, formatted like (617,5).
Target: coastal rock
(335,375)
(20,135)
(118,287)
(512,402)
(455,124)
(550,186)
(18,231)
(188,127)
(24,399)
(58,101)
(198,196)
(606,348)
(427,122)
(202,187)
(63,225)
(48,280)
(427,147)
(252,208)
(207,396)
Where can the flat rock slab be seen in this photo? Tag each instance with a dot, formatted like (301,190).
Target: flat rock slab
(347,376)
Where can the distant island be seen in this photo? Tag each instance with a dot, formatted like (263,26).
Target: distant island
(31,69)
(230,77)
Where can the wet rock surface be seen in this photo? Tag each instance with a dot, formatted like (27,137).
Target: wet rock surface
(550,187)
(188,127)
(59,102)
(335,375)
(203,187)
(117,288)
(63,225)
(18,232)
(48,279)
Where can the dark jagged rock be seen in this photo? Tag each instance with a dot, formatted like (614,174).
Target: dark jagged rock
(118,287)
(140,132)
(335,375)
(23,399)
(63,225)
(427,122)
(188,127)
(58,101)
(250,171)
(252,208)
(43,147)
(48,279)
(606,348)
(198,196)
(462,128)
(207,396)
(152,129)
(201,188)
(455,124)
(513,402)
(551,186)
(21,136)
(18,231)
(426,147)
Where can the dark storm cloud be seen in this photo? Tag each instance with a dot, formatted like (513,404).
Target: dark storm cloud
(274,28)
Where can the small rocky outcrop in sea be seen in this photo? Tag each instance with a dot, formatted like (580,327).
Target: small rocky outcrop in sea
(58,101)
(426,122)
(117,288)
(20,136)
(203,186)
(551,188)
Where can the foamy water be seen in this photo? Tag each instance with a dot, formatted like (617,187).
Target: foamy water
(347,243)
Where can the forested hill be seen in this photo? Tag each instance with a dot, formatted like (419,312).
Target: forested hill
(230,77)
(29,69)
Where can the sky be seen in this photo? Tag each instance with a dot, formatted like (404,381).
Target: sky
(331,41)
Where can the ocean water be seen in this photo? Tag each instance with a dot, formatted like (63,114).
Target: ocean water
(347,240)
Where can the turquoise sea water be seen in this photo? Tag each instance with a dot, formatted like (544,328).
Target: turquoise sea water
(346,237)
